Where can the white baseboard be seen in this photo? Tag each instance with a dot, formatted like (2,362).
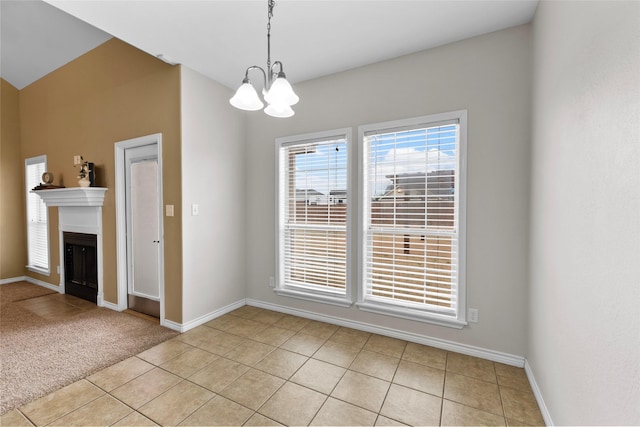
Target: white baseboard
(184,327)
(43,284)
(538,394)
(181,327)
(107,304)
(495,356)
(171,325)
(12,280)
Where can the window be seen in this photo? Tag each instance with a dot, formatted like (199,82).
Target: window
(37,217)
(413,189)
(313,217)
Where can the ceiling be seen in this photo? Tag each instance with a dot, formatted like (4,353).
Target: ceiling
(220,39)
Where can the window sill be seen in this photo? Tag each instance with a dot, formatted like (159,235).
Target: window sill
(411,314)
(325,299)
(39,270)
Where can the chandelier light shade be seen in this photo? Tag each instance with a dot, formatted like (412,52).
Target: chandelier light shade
(279,110)
(246,97)
(277,93)
(281,92)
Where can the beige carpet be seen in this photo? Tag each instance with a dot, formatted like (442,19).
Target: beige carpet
(49,340)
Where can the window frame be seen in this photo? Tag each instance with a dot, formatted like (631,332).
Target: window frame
(281,288)
(395,309)
(28,194)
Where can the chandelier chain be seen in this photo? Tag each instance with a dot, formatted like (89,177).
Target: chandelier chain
(271,5)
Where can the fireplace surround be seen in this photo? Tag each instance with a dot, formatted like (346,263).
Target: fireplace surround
(80,218)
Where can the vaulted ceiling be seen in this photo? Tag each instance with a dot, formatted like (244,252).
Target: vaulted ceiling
(220,39)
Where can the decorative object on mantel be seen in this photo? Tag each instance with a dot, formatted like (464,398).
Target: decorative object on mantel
(47,179)
(86,176)
(277,91)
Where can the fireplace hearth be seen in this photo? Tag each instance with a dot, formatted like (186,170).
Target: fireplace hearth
(81,265)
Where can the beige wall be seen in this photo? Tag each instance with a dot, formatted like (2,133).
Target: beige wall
(584,322)
(213,172)
(490,77)
(113,93)
(13,251)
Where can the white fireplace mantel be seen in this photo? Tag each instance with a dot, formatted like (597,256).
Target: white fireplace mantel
(76,196)
(79,211)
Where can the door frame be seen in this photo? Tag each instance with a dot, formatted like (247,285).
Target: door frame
(121,217)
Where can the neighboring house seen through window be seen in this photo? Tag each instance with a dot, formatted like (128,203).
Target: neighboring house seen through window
(37,217)
(313,212)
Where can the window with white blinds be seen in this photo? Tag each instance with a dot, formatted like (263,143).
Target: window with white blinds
(37,217)
(413,197)
(313,213)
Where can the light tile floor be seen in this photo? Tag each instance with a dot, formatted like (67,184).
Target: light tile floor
(258,367)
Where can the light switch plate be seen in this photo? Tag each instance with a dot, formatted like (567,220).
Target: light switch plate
(169,210)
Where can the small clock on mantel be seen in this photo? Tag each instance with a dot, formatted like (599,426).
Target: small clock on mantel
(47,178)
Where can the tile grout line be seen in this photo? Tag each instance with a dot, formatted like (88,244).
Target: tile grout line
(504,415)
(444,386)
(171,388)
(79,407)
(327,395)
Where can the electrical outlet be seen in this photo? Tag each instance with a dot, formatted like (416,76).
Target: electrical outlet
(473,315)
(272,282)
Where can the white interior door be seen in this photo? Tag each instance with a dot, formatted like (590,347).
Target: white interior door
(143,237)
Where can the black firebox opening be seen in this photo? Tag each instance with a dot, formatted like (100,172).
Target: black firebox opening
(81,265)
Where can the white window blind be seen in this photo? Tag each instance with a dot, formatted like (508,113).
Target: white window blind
(313,213)
(411,256)
(37,217)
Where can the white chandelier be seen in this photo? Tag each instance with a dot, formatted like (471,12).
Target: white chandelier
(277,91)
